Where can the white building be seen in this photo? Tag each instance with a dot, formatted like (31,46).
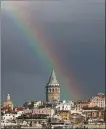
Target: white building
(10,116)
(65,105)
(99,100)
(19,113)
(33,104)
(44,111)
(9,119)
(38,103)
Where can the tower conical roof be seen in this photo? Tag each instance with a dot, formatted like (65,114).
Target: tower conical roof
(52,79)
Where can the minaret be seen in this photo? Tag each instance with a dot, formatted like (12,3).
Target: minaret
(8,102)
(53,88)
(8,98)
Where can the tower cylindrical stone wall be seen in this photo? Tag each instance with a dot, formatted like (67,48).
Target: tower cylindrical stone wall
(53,93)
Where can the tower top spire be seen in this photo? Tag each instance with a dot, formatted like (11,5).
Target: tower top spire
(52,79)
(8,97)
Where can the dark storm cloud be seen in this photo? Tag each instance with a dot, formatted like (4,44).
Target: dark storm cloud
(16,52)
(77,31)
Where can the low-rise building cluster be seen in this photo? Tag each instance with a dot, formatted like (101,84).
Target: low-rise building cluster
(66,111)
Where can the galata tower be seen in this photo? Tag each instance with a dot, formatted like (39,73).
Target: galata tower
(52,88)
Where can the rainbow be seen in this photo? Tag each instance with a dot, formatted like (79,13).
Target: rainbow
(37,41)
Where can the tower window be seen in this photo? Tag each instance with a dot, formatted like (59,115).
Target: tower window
(49,90)
(53,90)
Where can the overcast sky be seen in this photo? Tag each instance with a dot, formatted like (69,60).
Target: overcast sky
(78,26)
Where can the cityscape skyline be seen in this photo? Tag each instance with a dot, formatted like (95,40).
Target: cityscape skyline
(77,33)
(52,85)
